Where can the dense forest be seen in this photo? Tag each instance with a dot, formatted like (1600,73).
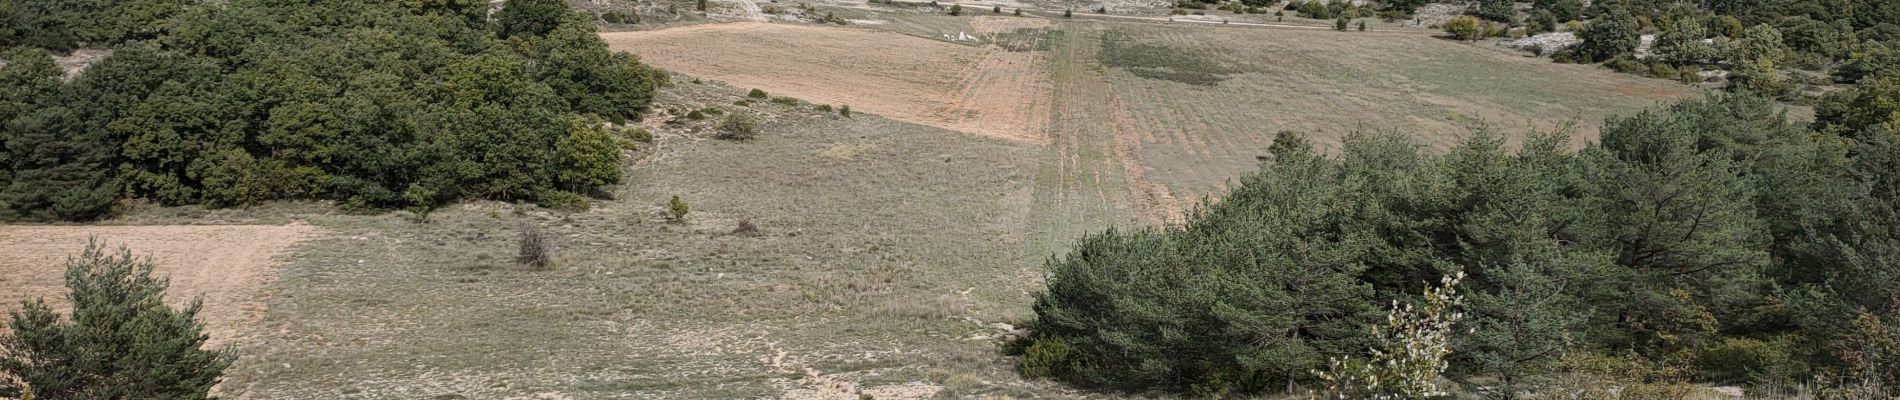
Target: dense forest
(373,104)
(1712,241)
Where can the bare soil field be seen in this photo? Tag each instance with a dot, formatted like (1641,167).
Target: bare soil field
(231,266)
(982,90)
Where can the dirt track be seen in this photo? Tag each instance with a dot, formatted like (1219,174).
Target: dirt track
(230,266)
(981,90)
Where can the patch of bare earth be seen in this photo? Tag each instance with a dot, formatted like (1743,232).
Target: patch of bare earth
(230,266)
(980,90)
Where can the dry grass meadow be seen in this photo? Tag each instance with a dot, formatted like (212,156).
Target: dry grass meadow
(894,246)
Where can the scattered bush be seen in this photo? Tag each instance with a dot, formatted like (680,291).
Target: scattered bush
(746,228)
(676,209)
(845,110)
(1465,28)
(1340,24)
(695,115)
(1046,357)
(824,108)
(996,9)
(1663,71)
(956,9)
(737,127)
(613,17)
(789,101)
(535,251)
(121,340)
(757,94)
(1627,65)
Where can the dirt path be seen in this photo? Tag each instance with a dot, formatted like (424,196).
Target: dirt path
(231,266)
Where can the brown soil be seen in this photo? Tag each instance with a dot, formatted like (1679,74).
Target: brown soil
(230,265)
(984,91)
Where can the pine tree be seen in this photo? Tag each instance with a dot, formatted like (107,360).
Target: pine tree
(529,17)
(121,341)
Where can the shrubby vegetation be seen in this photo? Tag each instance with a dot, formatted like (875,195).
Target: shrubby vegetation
(120,342)
(374,104)
(1711,241)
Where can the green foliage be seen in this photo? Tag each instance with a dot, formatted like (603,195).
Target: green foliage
(1683,43)
(1607,37)
(1465,28)
(53,169)
(1875,101)
(1497,10)
(64,25)
(530,17)
(785,100)
(1758,44)
(956,9)
(1411,352)
(613,17)
(737,126)
(1047,357)
(844,111)
(398,104)
(757,94)
(1340,24)
(677,209)
(1561,10)
(121,340)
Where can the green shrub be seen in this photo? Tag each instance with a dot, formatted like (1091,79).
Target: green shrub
(1626,65)
(639,134)
(1663,71)
(1047,357)
(1465,28)
(695,115)
(564,201)
(996,9)
(1744,360)
(824,108)
(785,101)
(757,94)
(737,127)
(121,340)
(1340,24)
(956,9)
(676,209)
(844,110)
(613,17)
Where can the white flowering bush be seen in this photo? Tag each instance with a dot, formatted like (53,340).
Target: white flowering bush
(1411,351)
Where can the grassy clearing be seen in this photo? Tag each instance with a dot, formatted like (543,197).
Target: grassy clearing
(883,249)
(1226,91)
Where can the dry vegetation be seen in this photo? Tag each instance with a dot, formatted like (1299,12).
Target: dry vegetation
(986,91)
(885,252)
(231,266)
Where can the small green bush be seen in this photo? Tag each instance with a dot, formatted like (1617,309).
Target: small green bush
(564,201)
(613,17)
(676,209)
(996,9)
(640,134)
(824,107)
(695,115)
(1626,65)
(757,94)
(737,127)
(785,101)
(1663,71)
(844,110)
(1047,357)
(1465,28)
(956,9)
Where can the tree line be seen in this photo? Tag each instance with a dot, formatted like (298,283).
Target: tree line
(373,104)
(1714,240)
